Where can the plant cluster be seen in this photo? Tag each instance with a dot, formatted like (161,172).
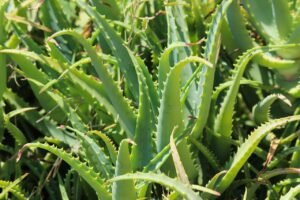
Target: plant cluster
(148,99)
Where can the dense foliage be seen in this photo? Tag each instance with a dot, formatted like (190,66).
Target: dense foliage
(149,99)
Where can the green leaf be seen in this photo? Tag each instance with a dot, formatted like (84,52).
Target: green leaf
(174,184)
(224,120)
(272,18)
(87,173)
(206,81)
(94,154)
(15,190)
(9,187)
(248,147)
(125,113)
(117,46)
(170,112)
(123,189)
(261,110)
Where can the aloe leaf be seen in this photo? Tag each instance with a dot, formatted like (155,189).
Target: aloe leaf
(52,15)
(15,190)
(123,189)
(220,88)
(94,154)
(15,132)
(126,115)
(117,46)
(224,120)
(5,190)
(261,110)
(248,147)
(206,80)
(1,121)
(143,150)
(263,15)
(110,146)
(70,70)
(293,38)
(178,32)
(209,156)
(87,173)
(174,184)
(45,126)
(170,107)
(109,8)
(85,85)
(149,83)
(242,40)
(28,41)
(170,113)
(165,65)
(50,101)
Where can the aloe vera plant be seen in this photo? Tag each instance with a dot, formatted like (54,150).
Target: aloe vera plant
(175,99)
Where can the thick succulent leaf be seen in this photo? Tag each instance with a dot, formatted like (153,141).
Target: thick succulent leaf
(110,146)
(87,173)
(126,115)
(117,46)
(178,32)
(109,8)
(126,62)
(142,151)
(170,115)
(26,40)
(123,189)
(12,187)
(15,190)
(165,65)
(272,18)
(162,179)
(52,102)
(240,38)
(54,15)
(248,147)
(85,85)
(224,121)
(293,38)
(206,81)
(94,155)
(209,155)
(170,112)
(45,126)
(160,158)
(15,132)
(261,110)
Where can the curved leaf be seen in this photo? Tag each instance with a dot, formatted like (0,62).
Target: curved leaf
(87,173)
(174,184)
